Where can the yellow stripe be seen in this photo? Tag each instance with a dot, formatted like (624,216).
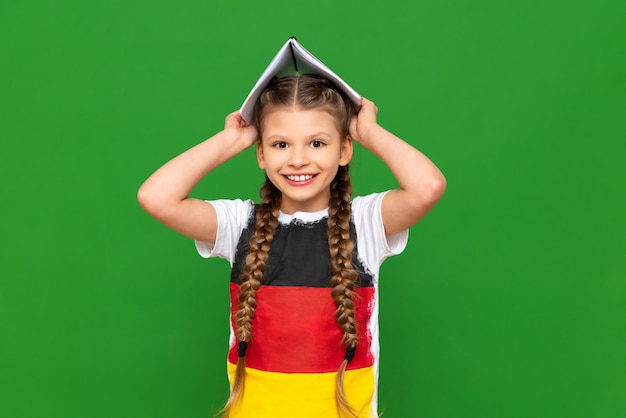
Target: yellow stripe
(302,395)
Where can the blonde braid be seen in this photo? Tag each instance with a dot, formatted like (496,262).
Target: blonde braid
(260,242)
(343,275)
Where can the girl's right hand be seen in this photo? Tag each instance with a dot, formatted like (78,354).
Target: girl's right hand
(236,126)
(165,194)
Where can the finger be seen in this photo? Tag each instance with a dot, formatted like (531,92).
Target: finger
(234,119)
(368,105)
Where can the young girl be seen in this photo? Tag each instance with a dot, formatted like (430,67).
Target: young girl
(305,261)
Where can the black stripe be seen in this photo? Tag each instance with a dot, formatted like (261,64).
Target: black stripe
(299,256)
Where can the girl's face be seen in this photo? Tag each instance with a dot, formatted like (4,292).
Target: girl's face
(300,151)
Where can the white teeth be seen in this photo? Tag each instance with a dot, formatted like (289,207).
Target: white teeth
(300,178)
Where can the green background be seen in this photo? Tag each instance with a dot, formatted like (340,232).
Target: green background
(510,299)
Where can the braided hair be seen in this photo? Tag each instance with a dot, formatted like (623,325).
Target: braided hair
(260,242)
(343,279)
(304,92)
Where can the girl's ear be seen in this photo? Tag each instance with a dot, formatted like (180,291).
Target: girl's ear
(259,155)
(346,151)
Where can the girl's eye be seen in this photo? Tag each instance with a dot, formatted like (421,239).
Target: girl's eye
(317,143)
(280,144)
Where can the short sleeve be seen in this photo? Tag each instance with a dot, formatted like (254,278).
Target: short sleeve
(373,245)
(232,218)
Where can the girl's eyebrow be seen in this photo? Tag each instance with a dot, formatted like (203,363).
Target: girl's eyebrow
(275,137)
(320,133)
(284,138)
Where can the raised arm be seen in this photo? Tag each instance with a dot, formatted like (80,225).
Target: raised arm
(421,182)
(164,195)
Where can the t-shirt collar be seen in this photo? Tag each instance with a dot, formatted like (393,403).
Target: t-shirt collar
(307,217)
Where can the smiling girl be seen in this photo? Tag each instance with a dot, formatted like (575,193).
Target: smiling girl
(305,260)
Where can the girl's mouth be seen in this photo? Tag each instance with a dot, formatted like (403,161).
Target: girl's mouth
(300,179)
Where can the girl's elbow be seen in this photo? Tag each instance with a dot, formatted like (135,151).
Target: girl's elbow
(434,189)
(158,205)
(439,185)
(429,194)
(148,200)
(420,201)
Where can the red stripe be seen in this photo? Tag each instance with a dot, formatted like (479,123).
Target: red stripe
(294,330)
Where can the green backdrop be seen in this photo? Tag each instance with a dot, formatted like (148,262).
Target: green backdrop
(510,300)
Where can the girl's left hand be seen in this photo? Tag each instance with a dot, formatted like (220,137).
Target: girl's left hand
(361,124)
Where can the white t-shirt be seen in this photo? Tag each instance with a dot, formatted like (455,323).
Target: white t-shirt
(372,246)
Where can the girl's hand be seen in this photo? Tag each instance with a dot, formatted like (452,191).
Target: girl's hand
(362,124)
(241,132)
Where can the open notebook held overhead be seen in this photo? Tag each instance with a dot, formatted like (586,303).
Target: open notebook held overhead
(294,59)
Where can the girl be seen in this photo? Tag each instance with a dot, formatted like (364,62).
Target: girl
(305,261)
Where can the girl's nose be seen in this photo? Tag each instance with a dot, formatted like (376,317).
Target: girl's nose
(298,157)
